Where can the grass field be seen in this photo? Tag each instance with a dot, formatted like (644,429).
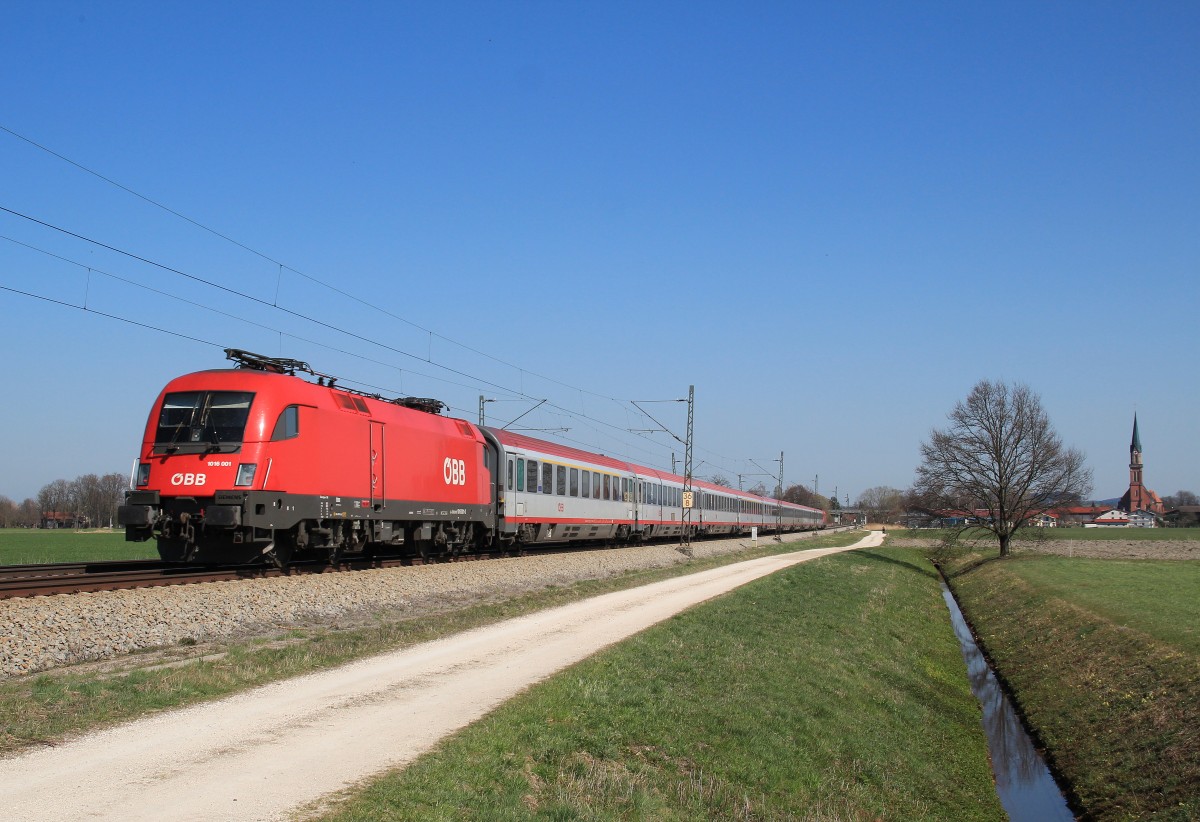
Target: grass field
(1103,657)
(31,546)
(834,690)
(1126,534)
(1084,534)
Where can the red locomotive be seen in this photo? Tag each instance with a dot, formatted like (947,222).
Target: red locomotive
(256,464)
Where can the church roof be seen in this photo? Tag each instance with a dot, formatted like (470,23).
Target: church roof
(1136,444)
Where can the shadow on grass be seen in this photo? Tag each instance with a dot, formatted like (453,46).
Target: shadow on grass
(881,557)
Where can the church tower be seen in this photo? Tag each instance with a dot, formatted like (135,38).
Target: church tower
(1139,497)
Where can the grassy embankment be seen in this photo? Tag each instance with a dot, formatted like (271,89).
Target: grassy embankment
(833,690)
(33,546)
(1103,656)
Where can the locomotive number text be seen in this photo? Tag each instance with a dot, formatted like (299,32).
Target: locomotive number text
(454,472)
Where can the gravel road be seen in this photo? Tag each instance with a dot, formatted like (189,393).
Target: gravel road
(261,754)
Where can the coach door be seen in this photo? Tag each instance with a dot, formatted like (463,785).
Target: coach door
(514,485)
(378,467)
(631,503)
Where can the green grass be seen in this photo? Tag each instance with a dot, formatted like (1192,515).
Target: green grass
(31,546)
(833,690)
(1159,599)
(1102,658)
(1087,534)
(1126,534)
(41,708)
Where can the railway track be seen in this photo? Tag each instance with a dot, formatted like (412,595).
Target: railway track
(82,577)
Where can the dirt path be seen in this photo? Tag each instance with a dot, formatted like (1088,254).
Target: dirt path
(261,754)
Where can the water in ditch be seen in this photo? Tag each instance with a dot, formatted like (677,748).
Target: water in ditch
(1023,781)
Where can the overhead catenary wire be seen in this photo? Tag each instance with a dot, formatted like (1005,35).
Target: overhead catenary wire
(284,266)
(300,315)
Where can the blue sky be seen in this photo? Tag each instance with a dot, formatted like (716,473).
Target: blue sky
(831,218)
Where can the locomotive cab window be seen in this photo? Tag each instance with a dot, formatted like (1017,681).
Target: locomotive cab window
(197,421)
(288,424)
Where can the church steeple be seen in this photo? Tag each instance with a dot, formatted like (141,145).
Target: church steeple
(1138,497)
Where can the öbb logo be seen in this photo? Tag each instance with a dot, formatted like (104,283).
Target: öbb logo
(454,472)
(188,479)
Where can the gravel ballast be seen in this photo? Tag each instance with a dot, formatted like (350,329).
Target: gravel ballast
(42,633)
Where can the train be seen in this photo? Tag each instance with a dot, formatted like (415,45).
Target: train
(271,462)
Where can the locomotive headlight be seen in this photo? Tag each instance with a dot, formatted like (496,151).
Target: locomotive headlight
(143,474)
(245,474)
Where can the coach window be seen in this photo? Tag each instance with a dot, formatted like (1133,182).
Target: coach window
(547,478)
(560,487)
(288,424)
(520,475)
(510,475)
(574,482)
(587,484)
(531,485)
(595,486)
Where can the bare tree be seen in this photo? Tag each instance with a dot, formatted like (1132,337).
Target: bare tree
(881,503)
(720,479)
(112,492)
(57,497)
(28,514)
(758,488)
(1180,498)
(803,495)
(1001,455)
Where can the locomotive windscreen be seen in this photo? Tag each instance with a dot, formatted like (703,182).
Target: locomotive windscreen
(204,418)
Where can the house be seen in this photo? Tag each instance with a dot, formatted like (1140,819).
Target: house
(1076,515)
(62,519)
(1185,516)
(1110,519)
(1044,520)
(1142,519)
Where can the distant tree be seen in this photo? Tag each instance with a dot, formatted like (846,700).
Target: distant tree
(758,488)
(1000,455)
(112,492)
(834,505)
(1180,498)
(28,514)
(802,495)
(881,503)
(8,512)
(57,497)
(720,479)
